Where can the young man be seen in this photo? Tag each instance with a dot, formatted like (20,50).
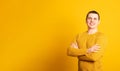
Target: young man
(89,46)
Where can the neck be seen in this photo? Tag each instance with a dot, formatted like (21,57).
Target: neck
(92,31)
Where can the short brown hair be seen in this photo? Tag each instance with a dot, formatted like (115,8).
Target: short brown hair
(95,12)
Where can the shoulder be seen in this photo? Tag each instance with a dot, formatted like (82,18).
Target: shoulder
(101,38)
(100,35)
(81,34)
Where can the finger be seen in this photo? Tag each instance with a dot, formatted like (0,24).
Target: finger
(71,45)
(74,45)
(95,51)
(97,48)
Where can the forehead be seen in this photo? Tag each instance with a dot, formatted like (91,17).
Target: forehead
(93,15)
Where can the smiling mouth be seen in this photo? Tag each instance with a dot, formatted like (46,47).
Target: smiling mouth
(92,24)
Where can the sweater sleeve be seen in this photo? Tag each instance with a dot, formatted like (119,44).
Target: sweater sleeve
(101,41)
(75,52)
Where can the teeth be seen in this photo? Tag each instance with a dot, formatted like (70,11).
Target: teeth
(92,24)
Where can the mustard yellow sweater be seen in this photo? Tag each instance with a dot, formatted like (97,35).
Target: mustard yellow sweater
(91,61)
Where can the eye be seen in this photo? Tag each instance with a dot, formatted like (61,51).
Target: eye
(95,18)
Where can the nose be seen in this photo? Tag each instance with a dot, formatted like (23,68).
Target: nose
(92,19)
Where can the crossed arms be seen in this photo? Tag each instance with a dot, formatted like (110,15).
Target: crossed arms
(93,53)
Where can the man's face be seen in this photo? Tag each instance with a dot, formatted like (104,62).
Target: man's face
(92,20)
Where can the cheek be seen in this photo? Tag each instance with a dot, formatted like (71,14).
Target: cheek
(88,21)
(97,22)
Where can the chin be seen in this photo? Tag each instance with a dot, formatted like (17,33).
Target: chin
(92,27)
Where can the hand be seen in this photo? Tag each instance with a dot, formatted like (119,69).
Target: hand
(94,48)
(74,45)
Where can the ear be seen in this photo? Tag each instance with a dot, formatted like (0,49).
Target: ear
(98,22)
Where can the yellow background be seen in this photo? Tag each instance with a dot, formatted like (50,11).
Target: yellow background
(34,34)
